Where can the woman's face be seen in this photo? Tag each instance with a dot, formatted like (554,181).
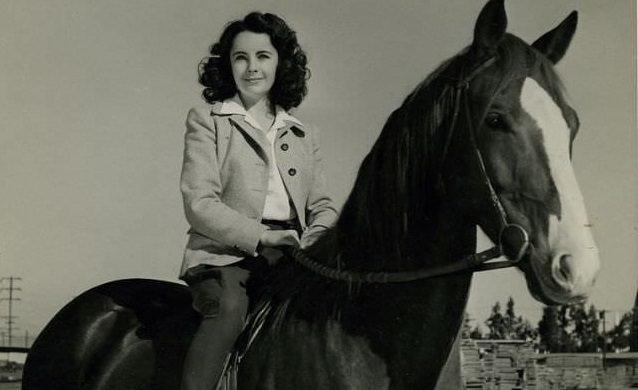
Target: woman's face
(253,60)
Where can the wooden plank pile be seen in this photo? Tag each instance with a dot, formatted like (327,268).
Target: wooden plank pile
(498,365)
(472,363)
(573,360)
(560,371)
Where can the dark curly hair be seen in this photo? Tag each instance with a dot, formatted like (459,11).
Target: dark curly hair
(289,89)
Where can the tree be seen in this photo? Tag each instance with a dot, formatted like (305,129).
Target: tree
(570,328)
(496,323)
(590,337)
(510,320)
(619,334)
(509,326)
(476,333)
(466,327)
(549,330)
(584,334)
(525,330)
(467,332)
(569,342)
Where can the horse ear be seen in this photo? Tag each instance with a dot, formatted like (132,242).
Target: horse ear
(490,27)
(554,44)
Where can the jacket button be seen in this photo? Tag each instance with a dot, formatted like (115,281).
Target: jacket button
(292,171)
(284,147)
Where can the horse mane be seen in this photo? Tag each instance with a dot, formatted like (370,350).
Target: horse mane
(391,208)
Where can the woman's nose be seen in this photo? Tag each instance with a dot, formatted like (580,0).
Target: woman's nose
(251,67)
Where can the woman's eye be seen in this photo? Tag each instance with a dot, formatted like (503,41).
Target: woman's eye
(495,121)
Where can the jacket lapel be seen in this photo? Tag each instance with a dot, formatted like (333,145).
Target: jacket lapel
(256,137)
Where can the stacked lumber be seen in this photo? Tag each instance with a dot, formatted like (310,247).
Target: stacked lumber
(472,365)
(498,365)
(574,360)
(561,371)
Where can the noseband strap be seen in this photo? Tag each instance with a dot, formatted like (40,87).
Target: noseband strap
(513,239)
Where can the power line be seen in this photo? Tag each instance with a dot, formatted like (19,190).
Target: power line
(10,319)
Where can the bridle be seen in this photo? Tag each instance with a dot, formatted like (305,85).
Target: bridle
(516,237)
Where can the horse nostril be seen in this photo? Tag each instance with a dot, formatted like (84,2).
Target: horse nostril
(564,267)
(563,270)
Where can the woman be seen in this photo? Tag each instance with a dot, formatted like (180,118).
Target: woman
(252,180)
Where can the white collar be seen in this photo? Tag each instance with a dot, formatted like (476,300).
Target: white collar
(234,105)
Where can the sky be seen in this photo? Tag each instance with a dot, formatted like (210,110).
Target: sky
(94,94)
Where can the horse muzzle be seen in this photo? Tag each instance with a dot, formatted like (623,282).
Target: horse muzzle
(562,278)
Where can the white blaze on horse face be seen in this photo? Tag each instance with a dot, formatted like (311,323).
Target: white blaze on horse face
(574,256)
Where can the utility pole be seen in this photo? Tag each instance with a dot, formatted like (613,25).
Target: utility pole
(634,328)
(602,318)
(12,298)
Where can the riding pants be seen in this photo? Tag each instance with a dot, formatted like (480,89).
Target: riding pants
(220,296)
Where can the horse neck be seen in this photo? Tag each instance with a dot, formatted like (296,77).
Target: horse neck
(396,219)
(373,235)
(412,326)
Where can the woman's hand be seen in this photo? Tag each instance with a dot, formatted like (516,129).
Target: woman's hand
(276,238)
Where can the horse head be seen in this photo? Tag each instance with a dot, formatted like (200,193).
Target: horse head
(513,110)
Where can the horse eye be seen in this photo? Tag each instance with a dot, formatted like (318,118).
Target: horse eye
(495,121)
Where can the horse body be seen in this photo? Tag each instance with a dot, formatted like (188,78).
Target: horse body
(126,334)
(349,336)
(485,140)
(393,343)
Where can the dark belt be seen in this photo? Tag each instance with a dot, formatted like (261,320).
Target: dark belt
(290,224)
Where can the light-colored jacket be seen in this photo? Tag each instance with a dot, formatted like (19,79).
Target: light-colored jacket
(225,178)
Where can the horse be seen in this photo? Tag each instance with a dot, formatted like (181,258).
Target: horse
(377,302)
